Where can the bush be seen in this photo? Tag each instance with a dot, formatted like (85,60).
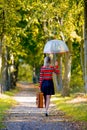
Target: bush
(25,73)
(76,84)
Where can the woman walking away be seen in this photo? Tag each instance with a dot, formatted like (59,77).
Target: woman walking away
(46,81)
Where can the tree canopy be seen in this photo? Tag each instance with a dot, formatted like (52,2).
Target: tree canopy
(25,26)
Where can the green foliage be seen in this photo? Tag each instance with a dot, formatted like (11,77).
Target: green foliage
(25,73)
(27,25)
(76,59)
(77,83)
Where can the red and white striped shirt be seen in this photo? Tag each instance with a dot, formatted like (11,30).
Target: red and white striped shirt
(46,73)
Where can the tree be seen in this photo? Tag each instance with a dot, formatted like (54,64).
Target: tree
(85,44)
(42,20)
(29,24)
(8,39)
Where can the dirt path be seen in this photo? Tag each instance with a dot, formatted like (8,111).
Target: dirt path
(26,115)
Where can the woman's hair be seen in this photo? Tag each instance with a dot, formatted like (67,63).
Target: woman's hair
(47,61)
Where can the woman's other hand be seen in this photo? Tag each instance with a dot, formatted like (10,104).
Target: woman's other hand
(56,63)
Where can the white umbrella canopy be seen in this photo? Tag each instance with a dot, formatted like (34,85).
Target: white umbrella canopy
(55,46)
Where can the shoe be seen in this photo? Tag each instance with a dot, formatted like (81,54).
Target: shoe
(46,114)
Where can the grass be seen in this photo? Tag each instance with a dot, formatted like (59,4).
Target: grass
(6,102)
(74,107)
(12,92)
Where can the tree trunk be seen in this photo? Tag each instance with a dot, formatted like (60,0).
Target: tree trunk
(60,75)
(85,44)
(13,73)
(4,69)
(0,66)
(1,50)
(67,75)
(67,72)
(82,57)
(56,78)
(7,69)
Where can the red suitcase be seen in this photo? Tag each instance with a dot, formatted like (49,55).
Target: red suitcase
(39,100)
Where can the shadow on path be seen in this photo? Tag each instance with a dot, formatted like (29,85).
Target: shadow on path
(26,115)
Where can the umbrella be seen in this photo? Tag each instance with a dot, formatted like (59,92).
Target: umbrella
(55,46)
